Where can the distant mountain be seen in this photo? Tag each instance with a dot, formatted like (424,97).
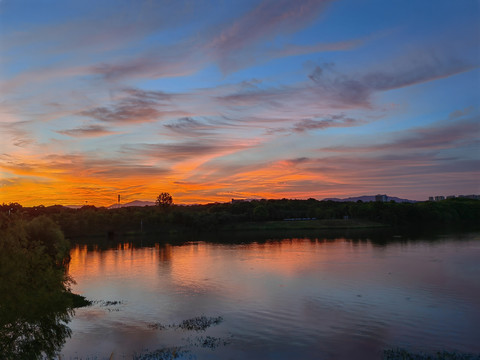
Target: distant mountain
(367,198)
(132,203)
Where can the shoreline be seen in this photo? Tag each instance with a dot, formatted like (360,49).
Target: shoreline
(323,224)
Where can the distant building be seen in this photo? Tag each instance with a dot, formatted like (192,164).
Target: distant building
(381,198)
(440,198)
(234,201)
(475,197)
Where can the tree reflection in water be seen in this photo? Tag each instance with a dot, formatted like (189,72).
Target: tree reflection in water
(35,299)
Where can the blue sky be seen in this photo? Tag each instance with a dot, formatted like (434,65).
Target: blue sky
(213,100)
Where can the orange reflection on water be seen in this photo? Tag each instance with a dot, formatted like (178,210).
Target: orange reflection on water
(201,267)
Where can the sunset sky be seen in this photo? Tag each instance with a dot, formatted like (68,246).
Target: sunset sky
(214,100)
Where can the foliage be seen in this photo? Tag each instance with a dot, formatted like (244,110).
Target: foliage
(164,200)
(34,305)
(260,213)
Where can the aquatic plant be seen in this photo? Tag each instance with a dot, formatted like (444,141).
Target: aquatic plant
(402,354)
(200,323)
(168,353)
(209,342)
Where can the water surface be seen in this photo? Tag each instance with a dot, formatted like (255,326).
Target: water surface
(280,299)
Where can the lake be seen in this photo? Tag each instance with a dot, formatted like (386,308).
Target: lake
(303,298)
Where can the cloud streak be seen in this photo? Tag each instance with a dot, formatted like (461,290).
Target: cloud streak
(87,131)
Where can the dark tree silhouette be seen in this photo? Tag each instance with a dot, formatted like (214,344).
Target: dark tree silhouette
(164,200)
(35,298)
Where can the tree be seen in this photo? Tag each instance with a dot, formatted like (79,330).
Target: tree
(260,213)
(164,200)
(35,298)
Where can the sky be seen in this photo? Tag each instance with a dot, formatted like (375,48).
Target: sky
(213,100)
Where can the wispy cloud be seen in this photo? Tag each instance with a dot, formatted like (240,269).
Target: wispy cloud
(229,44)
(135,106)
(87,131)
(185,150)
(191,127)
(264,21)
(356,90)
(334,121)
(439,136)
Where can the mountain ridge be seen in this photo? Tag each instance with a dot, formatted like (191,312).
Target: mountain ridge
(364,198)
(132,203)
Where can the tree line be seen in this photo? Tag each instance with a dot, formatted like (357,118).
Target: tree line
(166,216)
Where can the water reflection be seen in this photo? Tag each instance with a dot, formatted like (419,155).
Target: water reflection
(314,297)
(27,332)
(34,309)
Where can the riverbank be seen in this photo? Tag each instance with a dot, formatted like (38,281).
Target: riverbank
(324,224)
